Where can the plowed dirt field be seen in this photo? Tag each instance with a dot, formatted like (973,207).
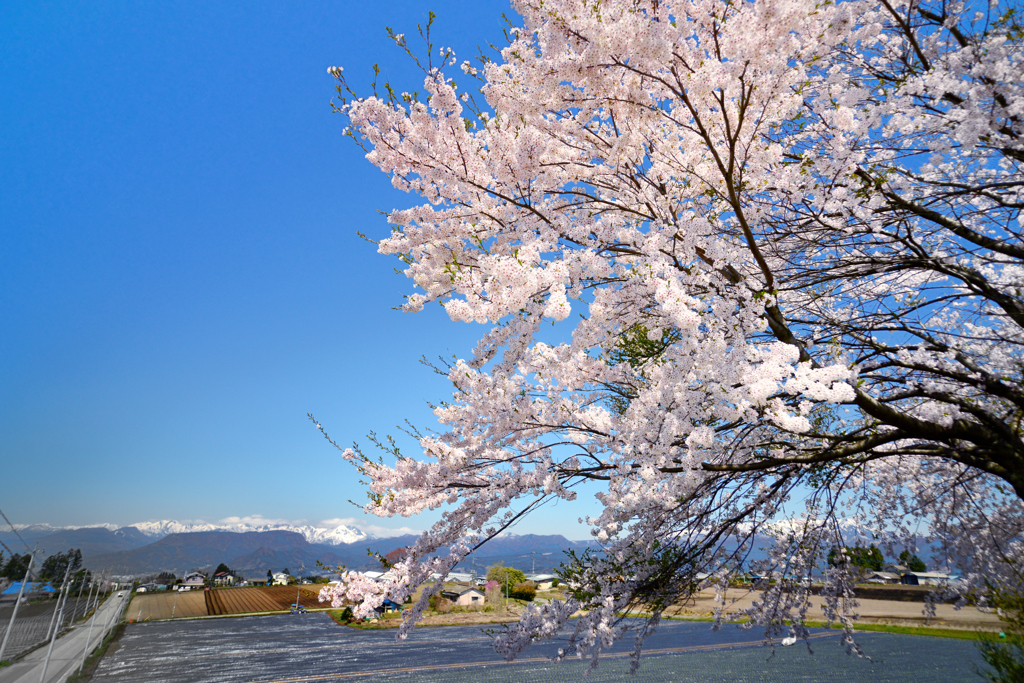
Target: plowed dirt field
(167,606)
(257,599)
(221,601)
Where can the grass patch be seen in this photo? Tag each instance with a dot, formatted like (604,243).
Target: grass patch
(955,633)
(336,615)
(958,634)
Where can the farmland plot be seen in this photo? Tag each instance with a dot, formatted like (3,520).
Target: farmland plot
(311,648)
(167,606)
(256,599)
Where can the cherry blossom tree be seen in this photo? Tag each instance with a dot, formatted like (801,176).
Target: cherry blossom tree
(789,235)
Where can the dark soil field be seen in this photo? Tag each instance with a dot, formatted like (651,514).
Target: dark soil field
(256,599)
(220,602)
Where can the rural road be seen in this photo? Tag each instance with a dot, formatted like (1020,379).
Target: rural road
(67,650)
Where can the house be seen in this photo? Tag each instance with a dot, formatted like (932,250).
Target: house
(388,606)
(544,582)
(464,596)
(33,591)
(193,580)
(929,579)
(223,579)
(883,577)
(469,597)
(280,579)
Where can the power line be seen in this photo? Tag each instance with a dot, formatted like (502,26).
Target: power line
(15,530)
(9,551)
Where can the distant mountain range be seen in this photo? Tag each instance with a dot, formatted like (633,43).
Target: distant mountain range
(176,547)
(152,547)
(339,535)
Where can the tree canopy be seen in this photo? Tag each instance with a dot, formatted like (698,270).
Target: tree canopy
(503,574)
(55,567)
(784,240)
(912,562)
(869,558)
(15,567)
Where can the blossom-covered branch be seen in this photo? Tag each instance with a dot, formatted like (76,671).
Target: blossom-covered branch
(792,233)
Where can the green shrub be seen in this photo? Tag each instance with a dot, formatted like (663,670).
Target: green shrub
(1005,655)
(524,591)
(441,605)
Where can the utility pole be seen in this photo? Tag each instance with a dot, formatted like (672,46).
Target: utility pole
(88,638)
(78,600)
(298,592)
(10,626)
(106,620)
(534,553)
(60,601)
(49,650)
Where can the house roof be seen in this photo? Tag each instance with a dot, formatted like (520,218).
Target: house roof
(30,587)
(886,575)
(470,590)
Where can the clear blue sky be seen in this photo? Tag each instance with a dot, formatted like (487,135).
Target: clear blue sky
(180,275)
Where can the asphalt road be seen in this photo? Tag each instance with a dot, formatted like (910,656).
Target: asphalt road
(67,650)
(311,648)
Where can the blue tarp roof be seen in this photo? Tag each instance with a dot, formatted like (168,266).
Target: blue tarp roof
(30,587)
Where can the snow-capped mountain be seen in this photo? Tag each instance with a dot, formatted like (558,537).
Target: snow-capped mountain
(339,535)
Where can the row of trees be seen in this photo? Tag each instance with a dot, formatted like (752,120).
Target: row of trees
(52,570)
(872,559)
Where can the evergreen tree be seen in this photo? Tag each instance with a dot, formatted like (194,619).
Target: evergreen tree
(15,567)
(912,562)
(55,567)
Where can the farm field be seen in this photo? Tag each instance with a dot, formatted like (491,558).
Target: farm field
(167,605)
(222,601)
(256,599)
(311,648)
(898,612)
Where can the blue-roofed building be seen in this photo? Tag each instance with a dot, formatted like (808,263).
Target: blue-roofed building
(33,591)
